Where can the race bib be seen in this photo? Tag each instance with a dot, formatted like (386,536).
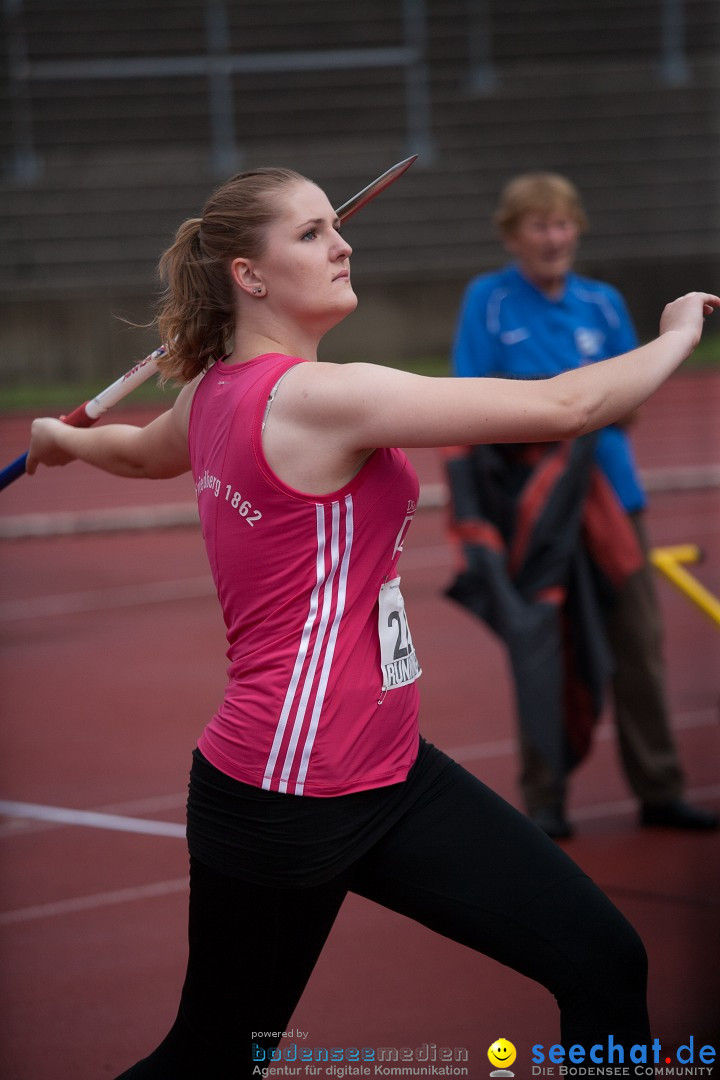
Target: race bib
(397,654)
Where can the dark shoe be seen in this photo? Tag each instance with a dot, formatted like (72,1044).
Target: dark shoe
(678,815)
(552,821)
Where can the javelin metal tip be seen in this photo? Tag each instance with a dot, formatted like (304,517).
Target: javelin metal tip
(369,193)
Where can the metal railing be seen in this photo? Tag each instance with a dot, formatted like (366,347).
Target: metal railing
(483,78)
(219,65)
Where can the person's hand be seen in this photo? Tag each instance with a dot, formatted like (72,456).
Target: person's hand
(686,314)
(46,436)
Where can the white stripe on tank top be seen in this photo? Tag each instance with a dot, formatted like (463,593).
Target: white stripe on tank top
(333,588)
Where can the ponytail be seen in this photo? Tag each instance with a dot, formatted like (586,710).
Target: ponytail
(195,316)
(196,310)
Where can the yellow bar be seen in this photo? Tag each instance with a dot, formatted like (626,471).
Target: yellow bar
(668,559)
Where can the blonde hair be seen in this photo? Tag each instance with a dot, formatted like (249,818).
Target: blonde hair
(538,193)
(196,311)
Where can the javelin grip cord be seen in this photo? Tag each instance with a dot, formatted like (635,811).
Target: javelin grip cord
(86,414)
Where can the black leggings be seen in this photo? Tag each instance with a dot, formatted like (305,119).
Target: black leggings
(465,864)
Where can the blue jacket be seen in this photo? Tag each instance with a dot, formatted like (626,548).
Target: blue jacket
(507,327)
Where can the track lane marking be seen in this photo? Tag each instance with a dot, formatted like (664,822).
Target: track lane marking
(60,815)
(108,818)
(699,718)
(433,495)
(117,596)
(91,903)
(160,592)
(180,885)
(153,804)
(622,806)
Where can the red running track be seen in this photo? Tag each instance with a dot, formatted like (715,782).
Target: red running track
(113,657)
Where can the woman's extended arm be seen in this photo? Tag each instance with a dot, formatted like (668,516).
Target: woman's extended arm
(157,451)
(330,415)
(360,405)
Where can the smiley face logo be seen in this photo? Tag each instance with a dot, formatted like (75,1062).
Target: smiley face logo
(501,1054)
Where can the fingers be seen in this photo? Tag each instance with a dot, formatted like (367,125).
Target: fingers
(45,448)
(689,304)
(33,460)
(709,300)
(687,313)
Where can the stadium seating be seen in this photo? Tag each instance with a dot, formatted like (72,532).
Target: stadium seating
(109,142)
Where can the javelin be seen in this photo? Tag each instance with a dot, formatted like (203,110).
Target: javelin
(86,414)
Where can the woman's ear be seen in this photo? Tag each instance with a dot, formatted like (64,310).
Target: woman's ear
(243,274)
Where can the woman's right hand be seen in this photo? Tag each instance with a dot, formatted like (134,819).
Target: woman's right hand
(46,438)
(686,315)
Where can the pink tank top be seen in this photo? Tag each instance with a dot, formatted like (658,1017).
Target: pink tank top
(321,696)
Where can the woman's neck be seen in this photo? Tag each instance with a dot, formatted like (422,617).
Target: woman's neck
(249,344)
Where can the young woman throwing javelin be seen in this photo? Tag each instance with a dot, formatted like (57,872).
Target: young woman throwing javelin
(311,780)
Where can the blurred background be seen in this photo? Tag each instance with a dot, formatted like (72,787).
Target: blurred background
(119,117)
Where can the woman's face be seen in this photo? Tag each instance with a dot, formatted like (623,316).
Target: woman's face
(544,246)
(305,266)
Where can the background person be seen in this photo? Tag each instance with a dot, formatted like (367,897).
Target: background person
(535,318)
(311,779)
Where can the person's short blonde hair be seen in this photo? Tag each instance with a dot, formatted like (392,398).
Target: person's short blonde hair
(538,193)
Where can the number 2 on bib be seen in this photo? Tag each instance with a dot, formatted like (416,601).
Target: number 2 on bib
(397,653)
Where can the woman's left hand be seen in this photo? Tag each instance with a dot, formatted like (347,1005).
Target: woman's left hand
(46,437)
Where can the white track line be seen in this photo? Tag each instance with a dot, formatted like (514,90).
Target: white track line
(700,718)
(118,596)
(104,819)
(160,592)
(106,520)
(153,804)
(90,903)
(179,885)
(627,806)
(60,815)
(173,515)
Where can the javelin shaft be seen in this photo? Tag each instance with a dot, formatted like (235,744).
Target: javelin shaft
(86,414)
